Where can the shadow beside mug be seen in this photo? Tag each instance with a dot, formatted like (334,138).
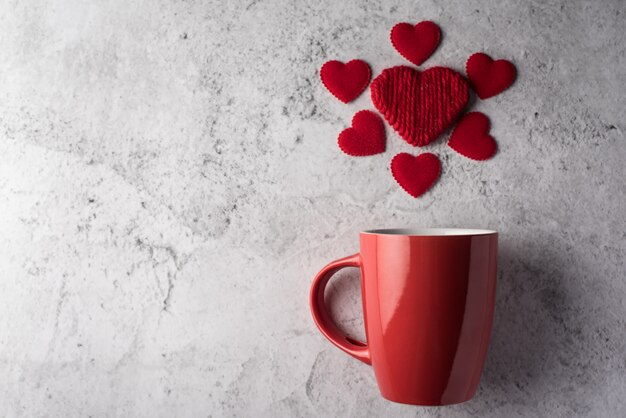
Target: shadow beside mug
(540,341)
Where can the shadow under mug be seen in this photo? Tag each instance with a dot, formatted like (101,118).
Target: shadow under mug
(428,300)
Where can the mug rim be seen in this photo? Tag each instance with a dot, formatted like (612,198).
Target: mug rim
(430,232)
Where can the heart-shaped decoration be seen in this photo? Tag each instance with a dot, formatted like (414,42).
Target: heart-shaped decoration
(365,137)
(419,106)
(416,43)
(489,77)
(345,81)
(471,137)
(415,174)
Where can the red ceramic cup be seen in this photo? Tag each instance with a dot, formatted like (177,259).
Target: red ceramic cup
(428,301)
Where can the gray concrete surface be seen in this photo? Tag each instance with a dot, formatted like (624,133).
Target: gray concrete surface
(170,183)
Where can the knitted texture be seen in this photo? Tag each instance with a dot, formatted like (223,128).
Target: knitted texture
(489,77)
(415,174)
(415,43)
(365,137)
(419,106)
(471,138)
(345,81)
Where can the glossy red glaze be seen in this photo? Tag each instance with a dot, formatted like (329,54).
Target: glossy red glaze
(428,305)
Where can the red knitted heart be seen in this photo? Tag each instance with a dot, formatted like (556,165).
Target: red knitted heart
(471,137)
(489,77)
(365,137)
(345,81)
(415,174)
(415,43)
(419,106)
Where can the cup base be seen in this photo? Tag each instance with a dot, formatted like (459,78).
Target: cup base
(423,402)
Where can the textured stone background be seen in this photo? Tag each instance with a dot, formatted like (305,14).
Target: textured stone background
(170,183)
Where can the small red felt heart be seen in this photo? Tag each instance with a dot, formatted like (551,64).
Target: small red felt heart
(419,106)
(416,43)
(489,77)
(365,137)
(415,174)
(471,137)
(345,81)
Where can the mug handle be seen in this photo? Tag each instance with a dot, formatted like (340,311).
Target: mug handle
(322,318)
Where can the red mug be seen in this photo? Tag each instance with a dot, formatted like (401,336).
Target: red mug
(428,301)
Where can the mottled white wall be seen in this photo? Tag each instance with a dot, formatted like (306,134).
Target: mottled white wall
(170,183)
